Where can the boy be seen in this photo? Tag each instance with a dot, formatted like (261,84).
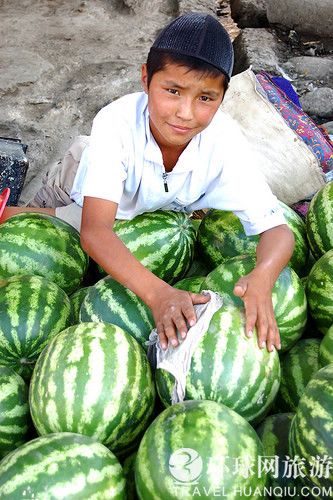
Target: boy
(171,147)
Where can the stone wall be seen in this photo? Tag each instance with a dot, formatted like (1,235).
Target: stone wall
(290,38)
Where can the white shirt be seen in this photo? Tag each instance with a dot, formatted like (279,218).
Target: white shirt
(124,164)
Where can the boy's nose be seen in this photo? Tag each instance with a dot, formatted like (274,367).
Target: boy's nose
(185,109)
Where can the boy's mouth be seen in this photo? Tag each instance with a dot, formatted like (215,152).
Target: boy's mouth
(179,128)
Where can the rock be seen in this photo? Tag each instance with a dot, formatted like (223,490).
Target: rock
(304,16)
(328,126)
(171,7)
(165,6)
(249,13)
(318,103)
(318,69)
(251,42)
(22,67)
(196,6)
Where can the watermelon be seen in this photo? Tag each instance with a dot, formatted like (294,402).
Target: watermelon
(32,243)
(192,449)
(62,466)
(196,222)
(297,368)
(229,368)
(319,221)
(221,236)
(319,291)
(129,474)
(163,241)
(193,284)
(32,311)
(288,295)
(76,300)
(273,432)
(14,410)
(110,302)
(311,428)
(326,348)
(93,379)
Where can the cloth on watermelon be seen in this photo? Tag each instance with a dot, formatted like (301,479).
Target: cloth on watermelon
(177,360)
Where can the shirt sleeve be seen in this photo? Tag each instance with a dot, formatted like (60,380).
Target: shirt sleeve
(106,158)
(240,187)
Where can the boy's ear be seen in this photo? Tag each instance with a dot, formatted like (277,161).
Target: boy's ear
(144,77)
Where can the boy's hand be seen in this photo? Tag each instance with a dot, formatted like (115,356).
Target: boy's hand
(172,310)
(256,291)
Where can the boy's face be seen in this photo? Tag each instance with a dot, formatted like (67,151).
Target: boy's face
(181,103)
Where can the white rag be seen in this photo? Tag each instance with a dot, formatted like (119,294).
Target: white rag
(177,360)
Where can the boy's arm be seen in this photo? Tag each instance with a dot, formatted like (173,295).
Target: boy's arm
(171,308)
(274,250)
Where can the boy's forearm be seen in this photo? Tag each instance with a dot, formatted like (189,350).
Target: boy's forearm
(104,246)
(274,251)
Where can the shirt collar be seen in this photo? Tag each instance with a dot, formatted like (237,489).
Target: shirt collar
(152,151)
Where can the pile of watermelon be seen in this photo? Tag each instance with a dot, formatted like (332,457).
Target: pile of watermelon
(83,414)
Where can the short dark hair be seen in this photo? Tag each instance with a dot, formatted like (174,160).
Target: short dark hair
(159,58)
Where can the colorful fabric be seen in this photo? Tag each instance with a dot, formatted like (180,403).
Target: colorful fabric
(314,137)
(287,88)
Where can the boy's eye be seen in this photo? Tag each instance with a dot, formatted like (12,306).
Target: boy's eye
(173,91)
(205,98)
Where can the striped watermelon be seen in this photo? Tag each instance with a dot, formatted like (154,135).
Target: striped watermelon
(110,302)
(319,221)
(288,296)
(62,466)
(129,474)
(193,284)
(229,368)
(192,449)
(221,236)
(311,429)
(297,368)
(326,348)
(32,311)
(319,291)
(93,379)
(76,300)
(44,245)
(163,241)
(273,432)
(14,410)
(196,223)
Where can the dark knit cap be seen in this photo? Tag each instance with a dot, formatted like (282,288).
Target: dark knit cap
(201,36)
